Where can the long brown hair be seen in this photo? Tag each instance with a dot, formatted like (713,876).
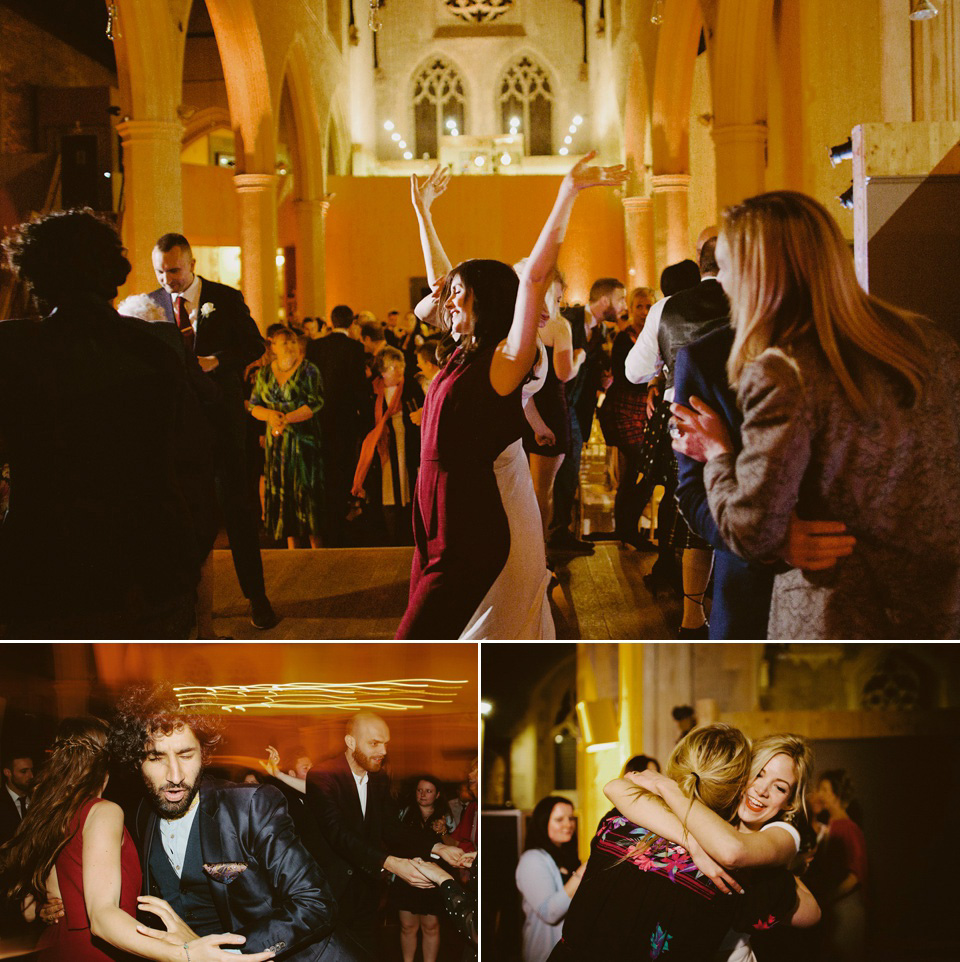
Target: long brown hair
(74,773)
(791,279)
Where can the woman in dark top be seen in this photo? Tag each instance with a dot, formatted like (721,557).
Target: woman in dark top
(419,909)
(471,413)
(643,895)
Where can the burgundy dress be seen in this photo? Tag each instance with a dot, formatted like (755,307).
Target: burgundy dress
(71,940)
(460,530)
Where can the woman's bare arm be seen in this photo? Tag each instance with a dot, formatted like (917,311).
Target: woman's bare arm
(422,195)
(807,912)
(515,355)
(720,839)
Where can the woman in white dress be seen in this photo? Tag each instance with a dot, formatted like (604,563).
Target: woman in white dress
(517,606)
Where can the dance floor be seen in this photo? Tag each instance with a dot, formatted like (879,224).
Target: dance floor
(361,593)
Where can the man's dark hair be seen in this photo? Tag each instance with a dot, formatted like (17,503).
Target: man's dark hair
(389,355)
(428,350)
(9,754)
(639,763)
(708,257)
(274,328)
(679,277)
(680,712)
(393,313)
(167,243)
(341,316)
(603,287)
(68,252)
(372,331)
(145,711)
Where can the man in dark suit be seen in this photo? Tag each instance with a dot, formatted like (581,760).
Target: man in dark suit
(15,797)
(346,405)
(226,857)
(350,798)
(741,589)
(217,328)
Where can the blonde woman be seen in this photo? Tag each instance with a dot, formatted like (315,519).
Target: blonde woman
(643,894)
(851,411)
(763,833)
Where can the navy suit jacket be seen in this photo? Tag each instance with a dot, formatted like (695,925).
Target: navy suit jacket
(281,900)
(741,589)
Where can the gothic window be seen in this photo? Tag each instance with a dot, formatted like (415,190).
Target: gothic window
(437,98)
(478,11)
(525,94)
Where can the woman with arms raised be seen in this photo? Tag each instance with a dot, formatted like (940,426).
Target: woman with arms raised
(472,413)
(851,412)
(72,846)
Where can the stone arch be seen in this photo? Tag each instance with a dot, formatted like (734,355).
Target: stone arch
(203,122)
(553,78)
(337,141)
(306,116)
(247,82)
(422,64)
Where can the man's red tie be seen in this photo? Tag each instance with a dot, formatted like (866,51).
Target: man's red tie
(183,322)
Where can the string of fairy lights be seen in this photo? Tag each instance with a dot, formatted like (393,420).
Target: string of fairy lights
(405,694)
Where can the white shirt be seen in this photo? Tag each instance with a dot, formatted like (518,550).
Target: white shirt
(16,800)
(361,781)
(644,362)
(175,833)
(191,297)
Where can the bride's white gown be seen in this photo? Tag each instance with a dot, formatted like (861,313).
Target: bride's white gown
(517,606)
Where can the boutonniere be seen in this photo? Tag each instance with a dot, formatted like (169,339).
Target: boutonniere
(207,309)
(224,872)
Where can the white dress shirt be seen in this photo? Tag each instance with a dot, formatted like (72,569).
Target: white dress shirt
(644,362)
(191,297)
(16,800)
(175,833)
(361,781)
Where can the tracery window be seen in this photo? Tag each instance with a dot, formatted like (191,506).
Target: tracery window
(478,11)
(438,97)
(525,94)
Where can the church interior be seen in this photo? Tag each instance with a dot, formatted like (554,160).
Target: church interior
(279,137)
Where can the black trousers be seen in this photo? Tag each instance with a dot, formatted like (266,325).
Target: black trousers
(240,512)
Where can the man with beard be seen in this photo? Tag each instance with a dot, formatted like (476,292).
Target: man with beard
(225,857)
(350,797)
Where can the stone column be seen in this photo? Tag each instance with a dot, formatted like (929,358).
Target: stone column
(153,193)
(641,267)
(258,240)
(671,218)
(741,162)
(311,257)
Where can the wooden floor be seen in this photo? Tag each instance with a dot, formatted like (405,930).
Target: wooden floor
(361,593)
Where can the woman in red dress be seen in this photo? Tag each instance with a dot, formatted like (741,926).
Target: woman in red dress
(72,846)
(471,413)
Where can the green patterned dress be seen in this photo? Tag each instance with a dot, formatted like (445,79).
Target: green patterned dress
(293,470)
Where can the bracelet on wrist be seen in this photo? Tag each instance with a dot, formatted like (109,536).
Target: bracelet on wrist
(186,951)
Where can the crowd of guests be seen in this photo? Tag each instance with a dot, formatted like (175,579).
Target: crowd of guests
(727,817)
(804,435)
(292,860)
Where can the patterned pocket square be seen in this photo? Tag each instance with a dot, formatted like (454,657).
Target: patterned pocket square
(224,872)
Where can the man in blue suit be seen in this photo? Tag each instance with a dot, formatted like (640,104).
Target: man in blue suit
(741,589)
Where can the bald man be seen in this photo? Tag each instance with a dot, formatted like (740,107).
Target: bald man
(349,795)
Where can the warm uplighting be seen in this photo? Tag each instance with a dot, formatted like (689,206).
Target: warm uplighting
(281,260)
(922,10)
(388,125)
(598,724)
(403,694)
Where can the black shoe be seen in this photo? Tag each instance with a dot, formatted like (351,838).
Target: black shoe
(261,614)
(565,541)
(694,634)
